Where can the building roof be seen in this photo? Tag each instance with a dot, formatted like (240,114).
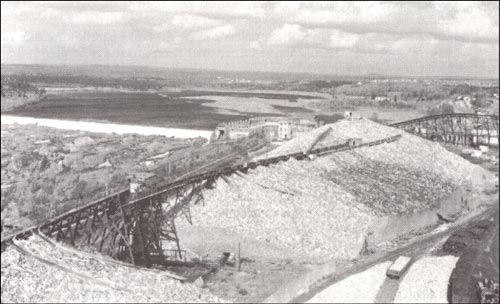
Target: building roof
(142,176)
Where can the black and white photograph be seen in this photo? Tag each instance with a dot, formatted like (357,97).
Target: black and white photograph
(250,151)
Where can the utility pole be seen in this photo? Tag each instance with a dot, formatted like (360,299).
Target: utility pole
(239,256)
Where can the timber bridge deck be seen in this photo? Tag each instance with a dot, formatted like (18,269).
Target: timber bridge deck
(135,230)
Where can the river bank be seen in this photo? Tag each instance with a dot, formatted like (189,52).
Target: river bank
(105,127)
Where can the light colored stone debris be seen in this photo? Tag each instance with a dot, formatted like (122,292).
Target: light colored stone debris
(325,208)
(359,288)
(90,279)
(426,281)
(288,206)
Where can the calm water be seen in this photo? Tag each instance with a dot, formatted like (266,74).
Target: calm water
(130,108)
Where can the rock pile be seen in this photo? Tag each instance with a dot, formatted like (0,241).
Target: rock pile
(301,143)
(410,151)
(61,274)
(386,187)
(288,206)
(325,208)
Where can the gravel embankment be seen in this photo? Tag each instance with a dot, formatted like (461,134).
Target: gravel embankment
(288,206)
(84,277)
(325,208)
(340,132)
(300,143)
(408,175)
(426,281)
(385,187)
(359,288)
(410,151)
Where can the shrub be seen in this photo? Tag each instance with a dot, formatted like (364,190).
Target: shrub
(118,180)
(79,191)
(44,164)
(447,108)
(433,111)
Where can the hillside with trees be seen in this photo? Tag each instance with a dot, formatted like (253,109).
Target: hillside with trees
(17,92)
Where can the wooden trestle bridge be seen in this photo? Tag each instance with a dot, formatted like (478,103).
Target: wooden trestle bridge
(138,230)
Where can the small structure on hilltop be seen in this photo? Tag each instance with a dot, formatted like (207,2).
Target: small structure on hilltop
(285,130)
(271,128)
(140,181)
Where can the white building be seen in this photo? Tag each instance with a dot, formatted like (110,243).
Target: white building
(273,128)
(285,130)
(381,98)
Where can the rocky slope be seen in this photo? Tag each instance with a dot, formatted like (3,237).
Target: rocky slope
(327,207)
(44,273)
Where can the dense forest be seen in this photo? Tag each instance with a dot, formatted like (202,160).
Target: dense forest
(14,86)
(18,92)
(137,84)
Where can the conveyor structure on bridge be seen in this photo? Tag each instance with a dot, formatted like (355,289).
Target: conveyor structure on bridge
(457,128)
(136,230)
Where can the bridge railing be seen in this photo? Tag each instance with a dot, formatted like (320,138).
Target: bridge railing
(51,225)
(457,128)
(446,115)
(63,226)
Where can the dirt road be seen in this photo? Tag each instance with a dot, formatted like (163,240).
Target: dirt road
(415,248)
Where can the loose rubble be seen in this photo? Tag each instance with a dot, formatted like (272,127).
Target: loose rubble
(68,275)
(288,206)
(410,151)
(326,208)
(387,188)
(300,143)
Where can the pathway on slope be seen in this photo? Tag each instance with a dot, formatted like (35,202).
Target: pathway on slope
(416,247)
(388,290)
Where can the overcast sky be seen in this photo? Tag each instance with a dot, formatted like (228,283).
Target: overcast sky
(344,38)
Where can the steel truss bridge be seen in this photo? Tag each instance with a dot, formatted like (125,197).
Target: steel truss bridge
(457,128)
(142,230)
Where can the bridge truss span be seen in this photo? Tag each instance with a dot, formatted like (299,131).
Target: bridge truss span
(142,230)
(456,128)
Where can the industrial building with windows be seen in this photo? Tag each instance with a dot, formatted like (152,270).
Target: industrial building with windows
(273,128)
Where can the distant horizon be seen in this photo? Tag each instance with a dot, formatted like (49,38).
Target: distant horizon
(372,74)
(393,38)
